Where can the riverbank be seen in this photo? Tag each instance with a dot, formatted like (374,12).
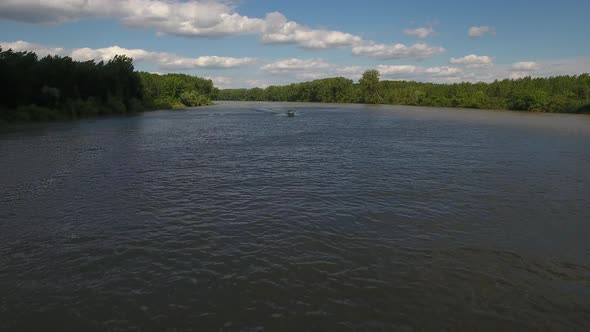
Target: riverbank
(84,110)
(56,88)
(560,94)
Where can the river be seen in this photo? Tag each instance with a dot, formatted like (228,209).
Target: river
(236,217)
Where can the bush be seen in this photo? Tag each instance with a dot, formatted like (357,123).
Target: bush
(583,109)
(35,113)
(81,108)
(134,106)
(193,98)
(116,105)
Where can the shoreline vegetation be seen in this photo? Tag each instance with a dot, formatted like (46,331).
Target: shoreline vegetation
(56,88)
(559,94)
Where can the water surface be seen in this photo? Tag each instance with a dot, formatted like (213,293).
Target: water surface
(346,217)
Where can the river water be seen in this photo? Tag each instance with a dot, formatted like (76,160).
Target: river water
(236,217)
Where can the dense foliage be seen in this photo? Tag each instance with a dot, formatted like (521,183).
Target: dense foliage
(59,88)
(563,94)
(54,87)
(176,90)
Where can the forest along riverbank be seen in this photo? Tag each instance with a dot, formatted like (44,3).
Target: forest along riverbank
(58,88)
(561,94)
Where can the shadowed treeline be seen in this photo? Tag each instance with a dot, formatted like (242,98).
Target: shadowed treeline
(59,88)
(561,94)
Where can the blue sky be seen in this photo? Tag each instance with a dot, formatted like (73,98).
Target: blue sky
(249,43)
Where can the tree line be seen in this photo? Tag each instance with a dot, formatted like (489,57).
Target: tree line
(560,94)
(176,91)
(58,88)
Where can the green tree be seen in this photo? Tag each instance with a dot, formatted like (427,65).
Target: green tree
(370,87)
(55,87)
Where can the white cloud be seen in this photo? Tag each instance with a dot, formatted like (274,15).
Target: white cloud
(571,66)
(226,82)
(518,74)
(287,71)
(388,72)
(293,65)
(222,82)
(523,69)
(312,69)
(420,32)
(443,71)
(294,69)
(277,29)
(480,31)
(525,66)
(474,61)
(437,74)
(310,75)
(54,11)
(107,53)
(162,59)
(176,16)
(397,70)
(40,50)
(353,72)
(397,51)
(174,62)
(568,66)
(411,72)
(206,18)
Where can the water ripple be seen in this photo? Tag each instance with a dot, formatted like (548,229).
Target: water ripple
(237,218)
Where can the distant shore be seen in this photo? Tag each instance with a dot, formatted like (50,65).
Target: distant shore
(560,94)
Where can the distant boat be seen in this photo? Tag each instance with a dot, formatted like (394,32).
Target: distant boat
(290,114)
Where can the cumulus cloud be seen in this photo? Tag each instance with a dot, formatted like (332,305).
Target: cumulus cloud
(294,64)
(441,74)
(54,11)
(525,66)
(420,32)
(40,50)
(163,14)
(206,18)
(411,72)
(523,69)
(443,71)
(397,70)
(473,61)
(276,29)
(290,70)
(397,51)
(162,59)
(309,69)
(227,82)
(568,66)
(353,72)
(480,31)
(222,82)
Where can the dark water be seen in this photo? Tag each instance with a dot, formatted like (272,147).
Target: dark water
(238,218)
